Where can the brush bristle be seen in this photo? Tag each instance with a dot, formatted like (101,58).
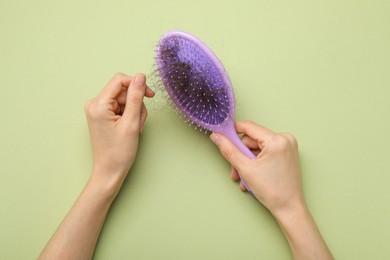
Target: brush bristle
(193,81)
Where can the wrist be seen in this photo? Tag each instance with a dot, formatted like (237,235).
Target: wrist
(301,232)
(290,212)
(105,183)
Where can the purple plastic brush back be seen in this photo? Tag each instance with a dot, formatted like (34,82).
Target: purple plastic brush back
(198,84)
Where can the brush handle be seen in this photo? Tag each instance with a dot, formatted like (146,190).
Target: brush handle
(231,134)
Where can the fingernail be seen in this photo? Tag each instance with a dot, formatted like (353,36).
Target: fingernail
(215,138)
(139,79)
(150,90)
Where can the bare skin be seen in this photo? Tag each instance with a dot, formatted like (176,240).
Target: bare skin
(116,118)
(274,178)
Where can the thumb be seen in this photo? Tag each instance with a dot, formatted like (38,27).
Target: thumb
(228,150)
(135,96)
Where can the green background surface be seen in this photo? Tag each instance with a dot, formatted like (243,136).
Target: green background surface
(318,69)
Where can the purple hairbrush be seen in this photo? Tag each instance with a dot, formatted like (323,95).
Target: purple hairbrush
(198,85)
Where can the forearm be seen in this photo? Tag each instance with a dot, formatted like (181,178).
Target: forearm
(77,235)
(302,233)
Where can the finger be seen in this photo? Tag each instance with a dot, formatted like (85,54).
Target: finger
(144,115)
(253,130)
(230,151)
(249,142)
(242,186)
(114,87)
(122,97)
(256,152)
(149,92)
(120,110)
(234,174)
(135,96)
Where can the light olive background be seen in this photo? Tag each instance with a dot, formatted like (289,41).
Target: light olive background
(318,69)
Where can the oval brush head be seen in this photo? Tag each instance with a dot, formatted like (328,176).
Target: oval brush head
(195,80)
(198,84)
